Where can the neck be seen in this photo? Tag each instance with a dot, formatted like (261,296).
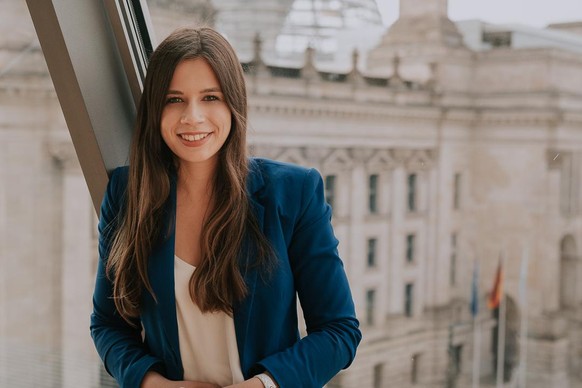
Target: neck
(196,178)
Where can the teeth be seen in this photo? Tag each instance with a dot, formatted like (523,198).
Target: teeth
(196,137)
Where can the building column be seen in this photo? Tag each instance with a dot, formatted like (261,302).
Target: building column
(397,236)
(4,354)
(80,364)
(557,205)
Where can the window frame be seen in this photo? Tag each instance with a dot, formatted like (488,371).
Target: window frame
(412,192)
(370,306)
(409,299)
(373,183)
(108,77)
(410,247)
(372,252)
(330,186)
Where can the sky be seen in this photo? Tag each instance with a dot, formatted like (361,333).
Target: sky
(535,13)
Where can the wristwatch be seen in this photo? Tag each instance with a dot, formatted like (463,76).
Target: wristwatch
(266,380)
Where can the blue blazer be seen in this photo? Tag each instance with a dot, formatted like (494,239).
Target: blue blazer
(291,210)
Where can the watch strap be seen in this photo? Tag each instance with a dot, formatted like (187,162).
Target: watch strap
(266,380)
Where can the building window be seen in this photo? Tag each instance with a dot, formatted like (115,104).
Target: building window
(372,252)
(410,239)
(457,358)
(408,295)
(379,376)
(457,192)
(330,189)
(370,304)
(453,269)
(411,192)
(373,193)
(414,368)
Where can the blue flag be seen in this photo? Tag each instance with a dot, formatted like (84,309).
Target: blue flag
(474,306)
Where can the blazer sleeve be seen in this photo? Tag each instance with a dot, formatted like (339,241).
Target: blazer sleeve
(119,345)
(325,298)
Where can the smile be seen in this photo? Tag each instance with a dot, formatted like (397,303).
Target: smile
(197,137)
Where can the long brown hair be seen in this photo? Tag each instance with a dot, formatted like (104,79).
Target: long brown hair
(217,282)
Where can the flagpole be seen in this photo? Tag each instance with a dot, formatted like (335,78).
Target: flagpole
(501,327)
(476,351)
(476,325)
(524,318)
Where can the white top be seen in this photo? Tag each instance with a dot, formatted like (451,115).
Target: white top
(207,340)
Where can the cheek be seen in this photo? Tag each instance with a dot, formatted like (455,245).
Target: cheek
(166,121)
(165,130)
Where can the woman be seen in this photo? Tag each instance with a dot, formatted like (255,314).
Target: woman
(203,250)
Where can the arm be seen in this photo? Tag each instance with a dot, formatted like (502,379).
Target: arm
(119,345)
(325,297)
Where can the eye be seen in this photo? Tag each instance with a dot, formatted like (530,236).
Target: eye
(210,97)
(173,100)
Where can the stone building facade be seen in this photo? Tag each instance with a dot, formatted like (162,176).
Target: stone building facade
(434,156)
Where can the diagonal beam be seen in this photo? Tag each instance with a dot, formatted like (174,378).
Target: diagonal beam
(96,57)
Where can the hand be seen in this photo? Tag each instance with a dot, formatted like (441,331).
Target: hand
(190,384)
(156,380)
(250,383)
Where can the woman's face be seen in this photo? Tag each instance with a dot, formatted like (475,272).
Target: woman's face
(196,119)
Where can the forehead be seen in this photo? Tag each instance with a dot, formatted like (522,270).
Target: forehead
(194,73)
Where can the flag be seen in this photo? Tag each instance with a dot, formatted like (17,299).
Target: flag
(497,292)
(474,306)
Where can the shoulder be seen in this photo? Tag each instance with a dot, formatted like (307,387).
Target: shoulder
(284,185)
(119,174)
(118,180)
(272,171)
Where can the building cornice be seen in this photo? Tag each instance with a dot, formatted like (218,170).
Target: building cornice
(528,54)
(345,158)
(367,110)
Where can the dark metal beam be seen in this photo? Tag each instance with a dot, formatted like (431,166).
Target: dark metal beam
(96,59)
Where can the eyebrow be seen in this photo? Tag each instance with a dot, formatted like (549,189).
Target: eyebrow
(208,90)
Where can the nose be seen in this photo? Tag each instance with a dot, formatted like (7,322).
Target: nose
(192,114)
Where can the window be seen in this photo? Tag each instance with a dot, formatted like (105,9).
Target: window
(457,192)
(379,376)
(411,192)
(408,301)
(373,193)
(372,252)
(453,269)
(370,304)
(457,358)
(330,190)
(410,239)
(414,368)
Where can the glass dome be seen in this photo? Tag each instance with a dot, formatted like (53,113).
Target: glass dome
(320,24)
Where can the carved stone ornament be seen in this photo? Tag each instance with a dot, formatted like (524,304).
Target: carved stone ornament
(293,155)
(63,153)
(346,158)
(419,160)
(382,158)
(339,158)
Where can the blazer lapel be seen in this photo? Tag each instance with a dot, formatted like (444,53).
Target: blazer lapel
(161,274)
(243,310)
